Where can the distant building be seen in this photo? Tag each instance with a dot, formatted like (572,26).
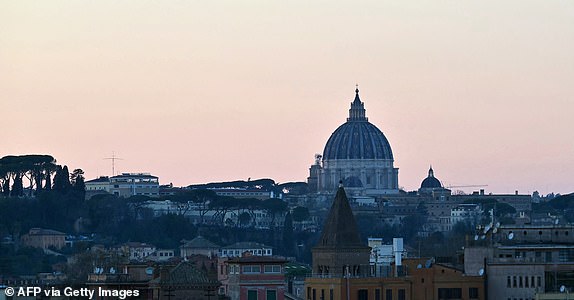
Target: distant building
(244,193)
(256,277)
(155,281)
(44,238)
(340,250)
(470,213)
(132,184)
(124,185)
(522,203)
(239,249)
(358,154)
(430,183)
(100,185)
(521,261)
(161,255)
(199,246)
(136,251)
(343,269)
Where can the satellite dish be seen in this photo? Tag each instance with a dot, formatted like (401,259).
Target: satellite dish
(556,221)
(495,230)
(511,236)
(428,264)
(419,266)
(487,228)
(476,237)
(497,224)
(149,271)
(112,270)
(481,272)
(483,237)
(562,289)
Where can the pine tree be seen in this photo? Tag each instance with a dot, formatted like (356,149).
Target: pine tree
(288,238)
(62,180)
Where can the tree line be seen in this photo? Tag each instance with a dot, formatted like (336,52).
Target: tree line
(40,172)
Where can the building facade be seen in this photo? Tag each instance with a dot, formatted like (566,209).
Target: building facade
(256,277)
(358,154)
(522,261)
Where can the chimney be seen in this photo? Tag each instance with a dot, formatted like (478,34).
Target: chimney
(482,192)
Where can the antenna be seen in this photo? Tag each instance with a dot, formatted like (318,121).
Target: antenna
(113,158)
(511,236)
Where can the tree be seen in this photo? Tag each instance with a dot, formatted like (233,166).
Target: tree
(300,214)
(288,237)
(274,206)
(244,219)
(77,182)
(222,205)
(201,199)
(62,180)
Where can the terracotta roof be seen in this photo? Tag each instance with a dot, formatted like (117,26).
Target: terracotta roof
(41,231)
(186,276)
(258,259)
(200,242)
(340,229)
(100,179)
(246,245)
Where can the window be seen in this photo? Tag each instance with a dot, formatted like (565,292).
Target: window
(363,294)
(252,295)
(251,269)
(331,294)
(473,293)
(526,281)
(519,281)
(450,293)
(377,294)
(271,295)
(508,281)
(513,281)
(539,281)
(389,294)
(272,269)
(402,295)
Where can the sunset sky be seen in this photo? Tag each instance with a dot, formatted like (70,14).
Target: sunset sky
(200,91)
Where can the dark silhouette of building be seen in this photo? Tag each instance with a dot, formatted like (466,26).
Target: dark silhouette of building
(340,250)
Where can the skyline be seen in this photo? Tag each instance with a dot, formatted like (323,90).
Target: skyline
(195,92)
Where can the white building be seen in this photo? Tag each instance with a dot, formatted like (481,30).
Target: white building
(124,185)
(238,249)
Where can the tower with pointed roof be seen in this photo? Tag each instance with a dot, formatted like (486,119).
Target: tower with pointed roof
(340,250)
(357,153)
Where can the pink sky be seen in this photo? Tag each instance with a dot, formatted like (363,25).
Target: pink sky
(199,91)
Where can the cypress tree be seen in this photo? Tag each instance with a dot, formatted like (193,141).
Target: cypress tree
(288,239)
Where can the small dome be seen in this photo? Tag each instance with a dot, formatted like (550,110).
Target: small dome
(431,182)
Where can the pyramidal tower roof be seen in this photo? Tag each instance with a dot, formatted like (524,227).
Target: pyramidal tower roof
(340,229)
